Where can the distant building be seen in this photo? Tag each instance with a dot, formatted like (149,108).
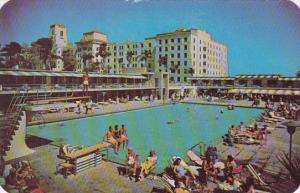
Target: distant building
(58,35)
(90,45)
(131,57)
(187,53)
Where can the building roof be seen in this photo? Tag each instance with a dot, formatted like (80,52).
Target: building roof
(58,24)
(94,31)
(95,41)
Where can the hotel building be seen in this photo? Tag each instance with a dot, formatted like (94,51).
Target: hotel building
(90,45)
(188,53)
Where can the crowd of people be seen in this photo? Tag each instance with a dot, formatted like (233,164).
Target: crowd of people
(116,137)
(193,177)
(19,177)
(139,170)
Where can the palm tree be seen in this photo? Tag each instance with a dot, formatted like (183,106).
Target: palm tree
(69,60)
(191,71)
(85,57)
(129,56)
(104,54)
(293,167)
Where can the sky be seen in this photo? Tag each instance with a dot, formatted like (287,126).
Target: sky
(262,36)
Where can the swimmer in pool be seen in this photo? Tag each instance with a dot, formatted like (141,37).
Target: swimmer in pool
(221,111)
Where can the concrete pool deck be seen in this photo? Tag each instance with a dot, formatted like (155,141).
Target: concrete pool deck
(105,177)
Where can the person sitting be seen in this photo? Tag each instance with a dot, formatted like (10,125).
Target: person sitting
(123,136)
(132,161)
(148,164)
(208,167)
(11,180)
(248,186)
(109,137)
(181,173)
(63,151)
(232,167)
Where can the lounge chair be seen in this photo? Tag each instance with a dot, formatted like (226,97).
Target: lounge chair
(255,174)
(272,115)
(195,158)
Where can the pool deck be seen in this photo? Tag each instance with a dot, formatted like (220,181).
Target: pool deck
(105,178)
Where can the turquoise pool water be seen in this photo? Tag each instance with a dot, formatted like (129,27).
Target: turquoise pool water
(168,129)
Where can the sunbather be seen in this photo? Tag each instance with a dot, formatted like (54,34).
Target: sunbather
(181,173)
(109,137)
(208,167)
(132,160)
(232,167)
(123,136)
(148,164)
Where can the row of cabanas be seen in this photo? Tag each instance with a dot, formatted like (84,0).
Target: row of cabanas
(266,91)
(67,74)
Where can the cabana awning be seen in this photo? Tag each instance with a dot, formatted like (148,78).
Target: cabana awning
(67,74)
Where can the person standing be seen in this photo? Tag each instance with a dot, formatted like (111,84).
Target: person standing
(85,79)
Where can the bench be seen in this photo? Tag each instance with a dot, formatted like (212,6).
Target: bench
(83,159)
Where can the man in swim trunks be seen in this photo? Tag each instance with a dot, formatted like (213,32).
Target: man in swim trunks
(109,135)
(123,136)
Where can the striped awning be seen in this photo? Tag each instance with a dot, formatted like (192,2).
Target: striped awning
(211,78)
(265,91)
(67,74)
(290,78)
(257,76)
(296,92)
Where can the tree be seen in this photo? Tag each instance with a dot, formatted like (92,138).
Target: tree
(129,56)
(191,71)
(10,54)
(85,57)
(44,46)
(69,60)
(103,52)
(145,55)
(293,167)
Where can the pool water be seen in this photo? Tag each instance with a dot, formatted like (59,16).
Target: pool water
(169,130)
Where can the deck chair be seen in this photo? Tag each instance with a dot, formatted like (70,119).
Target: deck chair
(255,174)
(194,158)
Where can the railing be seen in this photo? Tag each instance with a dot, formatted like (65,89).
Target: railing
(68,87)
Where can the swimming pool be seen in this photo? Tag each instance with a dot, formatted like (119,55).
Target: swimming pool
(169,129)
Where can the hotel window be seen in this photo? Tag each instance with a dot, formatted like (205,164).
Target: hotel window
(172,55)
(172,63)
(172,47)
(61,33)
(178,55)
(115,53)
(172,40)
(178,71)
(142,45)
(159,42)
(178,47)
(199,41)
(115,47)
(184,79)
(185,47)
(185,63)
(127,46)
(149,45)
(185,71)
(108,60)
(185,39)
(204,49)
(204,70)
(160,49)
(171,78)
(204,56)
(178,63)
(115,60)
(178,79)
(166,49)
(166,41)
(194,40)
(194,56)
(178,40)
(185,55)
(204,63)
